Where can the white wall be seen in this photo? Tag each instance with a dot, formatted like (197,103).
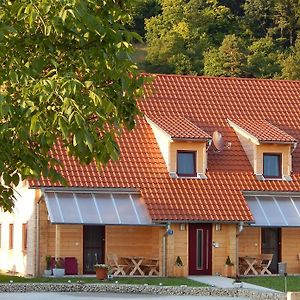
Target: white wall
(17,260)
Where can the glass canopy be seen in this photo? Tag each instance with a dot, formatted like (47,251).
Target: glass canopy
(96,208)
(276,210)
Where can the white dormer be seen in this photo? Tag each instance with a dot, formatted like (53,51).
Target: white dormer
(183,145)
(269,149)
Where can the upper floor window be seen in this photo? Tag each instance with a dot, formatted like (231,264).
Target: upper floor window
(186,163)
(272,165)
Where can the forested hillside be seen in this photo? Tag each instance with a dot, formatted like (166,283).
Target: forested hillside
(246,38)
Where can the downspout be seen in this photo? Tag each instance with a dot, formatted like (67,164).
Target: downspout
(164,255)
(239,231)
(164,250)
(37,239)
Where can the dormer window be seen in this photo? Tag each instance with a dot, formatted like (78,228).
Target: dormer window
(272,165)
(186,164)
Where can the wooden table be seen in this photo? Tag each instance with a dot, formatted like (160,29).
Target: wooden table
(135,263)
(250,262)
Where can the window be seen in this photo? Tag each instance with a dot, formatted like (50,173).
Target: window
(272,165)
(186,163)
(11,236)
(24,237)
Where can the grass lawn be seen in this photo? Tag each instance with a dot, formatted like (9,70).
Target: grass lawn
(276,282)
(168,281)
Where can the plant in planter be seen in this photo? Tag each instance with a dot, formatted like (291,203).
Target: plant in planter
(237,283)
(59,270)
(101,271)
(228,268)
(48,271)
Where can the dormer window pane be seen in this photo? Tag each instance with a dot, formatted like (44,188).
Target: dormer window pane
(272,165)
(186,163)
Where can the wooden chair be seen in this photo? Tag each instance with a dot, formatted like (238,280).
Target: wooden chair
(116,267)
(151,266)
(242,266)
(263,263)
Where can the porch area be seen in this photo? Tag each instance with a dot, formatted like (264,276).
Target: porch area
(262,248)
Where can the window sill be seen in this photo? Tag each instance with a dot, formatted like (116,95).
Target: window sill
(283,178)
(199,176)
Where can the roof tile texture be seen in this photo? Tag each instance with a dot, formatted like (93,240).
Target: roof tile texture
(207,103)
(264,131)
(179,127)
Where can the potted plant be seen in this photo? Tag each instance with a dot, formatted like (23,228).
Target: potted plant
(59,270)
(48,272)
(228,268)
(101,271)
(178,268)
(237,283)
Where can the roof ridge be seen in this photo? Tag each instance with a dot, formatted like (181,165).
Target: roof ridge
(222,78)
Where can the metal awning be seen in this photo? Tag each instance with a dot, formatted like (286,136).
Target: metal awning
(275,210)
(78,207)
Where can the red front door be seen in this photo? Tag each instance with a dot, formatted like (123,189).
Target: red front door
(200,246)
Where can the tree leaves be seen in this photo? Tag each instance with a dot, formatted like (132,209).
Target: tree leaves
(67,76)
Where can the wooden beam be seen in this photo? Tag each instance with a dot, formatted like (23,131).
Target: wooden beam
(57,241)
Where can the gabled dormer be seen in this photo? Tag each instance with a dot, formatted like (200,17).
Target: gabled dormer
(269,149)
(182,144)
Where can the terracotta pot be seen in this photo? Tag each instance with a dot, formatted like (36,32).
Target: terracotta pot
(228,271)
(101,273)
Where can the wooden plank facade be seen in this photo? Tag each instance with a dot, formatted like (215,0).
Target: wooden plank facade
(147,241)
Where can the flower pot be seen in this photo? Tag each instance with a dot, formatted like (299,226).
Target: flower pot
(47,273)
(237,284)
(228,271)
(58,272)
(101,273)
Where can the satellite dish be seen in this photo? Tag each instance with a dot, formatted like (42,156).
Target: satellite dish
(218,140)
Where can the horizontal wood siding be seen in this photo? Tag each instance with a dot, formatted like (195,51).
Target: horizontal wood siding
(290,248)
(177,245)
(225,238)
(71,240)
(250,241)
(133,241)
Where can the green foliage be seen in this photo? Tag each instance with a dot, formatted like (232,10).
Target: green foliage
(263,60)
(66,75)
(228,60)
(48,262)
(228,262)
(141,10)
(291,65)
(178,37)
(178,261)
(192,37)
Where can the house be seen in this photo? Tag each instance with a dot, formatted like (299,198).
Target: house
(212,170)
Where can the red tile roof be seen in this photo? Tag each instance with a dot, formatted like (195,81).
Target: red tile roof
(264,131)
(179,127)
(208,103)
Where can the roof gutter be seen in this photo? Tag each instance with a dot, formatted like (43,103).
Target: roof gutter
(191,139)
(89,190)
(202,221)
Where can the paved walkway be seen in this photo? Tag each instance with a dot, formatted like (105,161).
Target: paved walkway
(224,282)
(97,296)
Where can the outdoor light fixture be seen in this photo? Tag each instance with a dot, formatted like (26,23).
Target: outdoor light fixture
(218,227)
(182,227)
